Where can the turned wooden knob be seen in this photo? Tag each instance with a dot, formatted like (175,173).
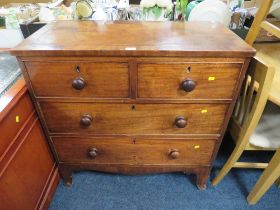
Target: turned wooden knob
(86,120)
(174,154)
(78,83)
(188,85)
(181,122)
(92,153)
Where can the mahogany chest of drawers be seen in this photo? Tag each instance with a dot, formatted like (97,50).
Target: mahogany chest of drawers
(143,97)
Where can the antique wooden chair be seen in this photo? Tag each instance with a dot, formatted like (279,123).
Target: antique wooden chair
(268,53)
(247,113)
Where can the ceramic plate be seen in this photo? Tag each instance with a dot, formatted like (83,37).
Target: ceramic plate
(211,10)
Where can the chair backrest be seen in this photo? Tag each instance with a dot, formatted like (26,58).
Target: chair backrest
(252,99)
(259,23)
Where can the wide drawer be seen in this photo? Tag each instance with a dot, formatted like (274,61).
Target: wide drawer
(188,80)
(99,118)
(79,79)
(139,151)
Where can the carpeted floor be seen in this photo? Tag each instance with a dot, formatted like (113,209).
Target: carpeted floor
(99,191)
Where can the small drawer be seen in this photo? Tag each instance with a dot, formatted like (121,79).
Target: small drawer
(187,80)
(99,118)
(139,151)
(79,79)
(14,121)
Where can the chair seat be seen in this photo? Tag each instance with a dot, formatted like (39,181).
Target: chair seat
(267,133)
(269,54)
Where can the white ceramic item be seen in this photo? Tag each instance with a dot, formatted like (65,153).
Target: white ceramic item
(46,15)
(99,14)
(123,4)
(212,11)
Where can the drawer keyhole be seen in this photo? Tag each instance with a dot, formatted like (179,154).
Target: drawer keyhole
(78,70)
(188,69)
(133,107)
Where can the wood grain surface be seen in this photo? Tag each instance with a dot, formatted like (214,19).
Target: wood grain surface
(13,122)
(28,173)
(148,93)
(98,38)
(137,152)
(102,80)
(164,80)
(133,119)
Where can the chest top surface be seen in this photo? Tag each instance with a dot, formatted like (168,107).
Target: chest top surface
(95,38)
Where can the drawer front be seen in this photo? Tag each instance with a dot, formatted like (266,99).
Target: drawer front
(187,80)
(84,79)
(101,118)
(141,151)
(26,171)
(14,121)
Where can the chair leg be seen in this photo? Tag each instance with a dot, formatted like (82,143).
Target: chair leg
(268,177)
(228,165)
